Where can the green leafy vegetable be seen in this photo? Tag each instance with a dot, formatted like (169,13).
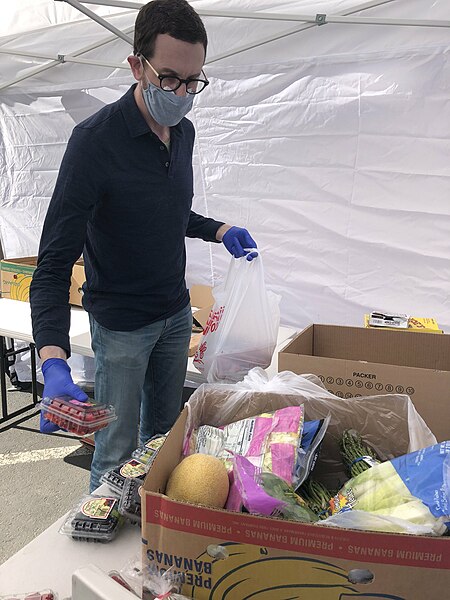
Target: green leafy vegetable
(296,508)
(357,456)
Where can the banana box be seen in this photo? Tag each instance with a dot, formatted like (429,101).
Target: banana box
(16,275)
(217,554)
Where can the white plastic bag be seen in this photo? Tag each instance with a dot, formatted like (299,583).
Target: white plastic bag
(390,423)
(242,328)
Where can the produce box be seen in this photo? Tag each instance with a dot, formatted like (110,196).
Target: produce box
(357,361)
(202,301)
(16,275)
(222,554)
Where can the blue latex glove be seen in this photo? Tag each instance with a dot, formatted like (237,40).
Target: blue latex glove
(237,241)
(58,382)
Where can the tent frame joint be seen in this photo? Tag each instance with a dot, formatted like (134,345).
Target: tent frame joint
(321,19)
(62,58)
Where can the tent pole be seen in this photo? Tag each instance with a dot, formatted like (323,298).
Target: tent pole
(396,22)
(59,61)
(103,42)
(99,20)
(35,71)
(313,19)
(67,58)
(358,8)
(115,3)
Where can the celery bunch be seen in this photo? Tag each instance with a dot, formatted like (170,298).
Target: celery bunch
(381,491)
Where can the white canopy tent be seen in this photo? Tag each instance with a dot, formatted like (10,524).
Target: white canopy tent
(325,131)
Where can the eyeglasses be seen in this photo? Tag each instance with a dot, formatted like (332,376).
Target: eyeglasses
(170,83)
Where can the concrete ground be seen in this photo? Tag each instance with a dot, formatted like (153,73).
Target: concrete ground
(41,476)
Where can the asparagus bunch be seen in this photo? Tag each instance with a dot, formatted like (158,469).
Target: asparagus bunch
(357,456)
(316,496)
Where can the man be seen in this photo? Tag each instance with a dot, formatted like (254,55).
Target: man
(123,197)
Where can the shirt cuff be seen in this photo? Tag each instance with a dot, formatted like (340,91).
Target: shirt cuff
(50,337)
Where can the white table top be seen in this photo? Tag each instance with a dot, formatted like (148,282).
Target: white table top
(51,558)
(15,322)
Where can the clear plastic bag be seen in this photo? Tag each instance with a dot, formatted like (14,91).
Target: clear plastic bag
(242,328)
(264,493)
(159,585)
(390,424)
(366,521)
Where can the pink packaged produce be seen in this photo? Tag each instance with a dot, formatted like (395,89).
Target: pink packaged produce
(44,595)
(81,418)
(269,440)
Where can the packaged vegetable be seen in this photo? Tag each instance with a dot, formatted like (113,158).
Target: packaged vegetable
(309,448)
(269,440)
(94,519)
(81,418)
(266,494)
(412,488)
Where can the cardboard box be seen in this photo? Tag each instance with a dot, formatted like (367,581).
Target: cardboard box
(416,324)
(222,554)
(355,361)
(202,301)
(16,275)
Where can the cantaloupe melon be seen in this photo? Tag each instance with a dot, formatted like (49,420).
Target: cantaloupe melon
(199,479)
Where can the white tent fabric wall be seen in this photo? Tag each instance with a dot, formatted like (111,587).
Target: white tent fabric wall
(330,145)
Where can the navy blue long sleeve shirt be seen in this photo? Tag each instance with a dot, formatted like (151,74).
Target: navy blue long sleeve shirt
(123,201)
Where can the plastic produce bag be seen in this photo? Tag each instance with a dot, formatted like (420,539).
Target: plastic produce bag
(242,328)
(158,585)
(269,440)
(389,423)
(266,494)
(309,448)
(413,489)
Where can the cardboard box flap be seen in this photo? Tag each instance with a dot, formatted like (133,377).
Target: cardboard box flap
(28,260)
(17,273)
(352,361)
(201,296)
(166,461)
(202,315)
(373,345)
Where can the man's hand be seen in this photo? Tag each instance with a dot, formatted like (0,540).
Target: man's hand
(239,242)
(58,382)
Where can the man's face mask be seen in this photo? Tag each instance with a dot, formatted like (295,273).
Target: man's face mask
(166,107)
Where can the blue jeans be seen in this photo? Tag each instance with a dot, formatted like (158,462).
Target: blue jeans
(141,373)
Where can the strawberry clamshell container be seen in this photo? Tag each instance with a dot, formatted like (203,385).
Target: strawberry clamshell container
(80,418)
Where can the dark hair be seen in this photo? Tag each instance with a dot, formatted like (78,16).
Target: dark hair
(177,18)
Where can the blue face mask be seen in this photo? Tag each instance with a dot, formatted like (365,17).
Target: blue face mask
(166,107)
